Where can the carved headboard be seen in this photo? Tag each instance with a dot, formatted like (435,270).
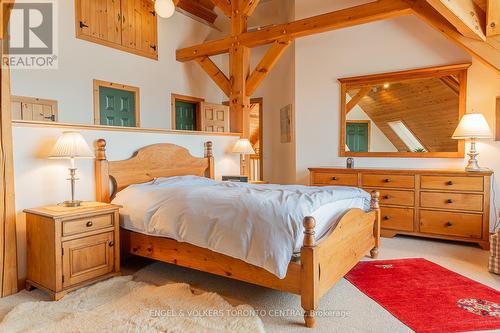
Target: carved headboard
(146,164)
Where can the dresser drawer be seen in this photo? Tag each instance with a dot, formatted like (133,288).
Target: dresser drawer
(397,218)
(87,224)
(451,224)
(330,178)
(452,183)
(452,201)
(394,197)
(395,181)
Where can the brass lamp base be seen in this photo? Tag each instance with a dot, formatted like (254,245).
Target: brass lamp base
(75,203)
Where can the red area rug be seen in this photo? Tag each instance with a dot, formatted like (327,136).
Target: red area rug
(427,297)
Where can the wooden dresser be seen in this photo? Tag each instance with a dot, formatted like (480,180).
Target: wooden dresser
(445,204)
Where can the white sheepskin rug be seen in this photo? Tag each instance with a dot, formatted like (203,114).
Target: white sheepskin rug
(123,305)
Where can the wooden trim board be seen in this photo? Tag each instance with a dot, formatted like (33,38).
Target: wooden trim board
(23,123)
(498,119)
(135,90)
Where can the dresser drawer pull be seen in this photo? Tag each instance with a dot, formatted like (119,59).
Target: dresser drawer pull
(450,183)
(450,201)
(449,224)
(334,178)
(387,180)
(89,224)
(111,244)
(387,197)
(387,218)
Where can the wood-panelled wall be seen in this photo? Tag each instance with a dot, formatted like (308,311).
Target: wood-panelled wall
(8,248)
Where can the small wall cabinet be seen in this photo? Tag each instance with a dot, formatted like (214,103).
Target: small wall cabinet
(127,25)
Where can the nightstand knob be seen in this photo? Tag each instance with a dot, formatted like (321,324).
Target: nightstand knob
(450,201)
(449,224)
(387,218)
(450,183)
(387,180)
(89,224)
(387,197)
(334,178)
(111,244)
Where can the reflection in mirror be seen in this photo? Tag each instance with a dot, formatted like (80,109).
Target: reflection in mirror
(391,116)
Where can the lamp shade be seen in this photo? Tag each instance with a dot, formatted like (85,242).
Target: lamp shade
(243,146)
(71,145)
(472,125)
(164,8)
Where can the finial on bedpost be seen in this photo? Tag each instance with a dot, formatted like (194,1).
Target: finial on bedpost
(375,203)
(375,206)
(101,150)
(208,149)
(309,225)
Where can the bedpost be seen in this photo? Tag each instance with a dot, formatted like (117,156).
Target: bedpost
(375,206)
(101,172)
(209,155)
(309,273)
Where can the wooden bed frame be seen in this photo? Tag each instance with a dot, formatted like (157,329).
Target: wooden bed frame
(321,264)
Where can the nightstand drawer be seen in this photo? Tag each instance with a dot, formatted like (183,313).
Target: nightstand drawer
(452,201)
(342,179)
(73,227)
(451,224)
(87,258)
(452,183)
(394,181)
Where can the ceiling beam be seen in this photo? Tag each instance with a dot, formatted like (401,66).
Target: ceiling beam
(224,6)
(266,65)
(370,12)
(493,18)
(355,100)
(465,15)
(487,52)
(249,7)
(215,74)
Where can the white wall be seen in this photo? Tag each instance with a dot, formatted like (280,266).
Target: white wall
(386,46)
(80,62)
(378,141)
(39,181)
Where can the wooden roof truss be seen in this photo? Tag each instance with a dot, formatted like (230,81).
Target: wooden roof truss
(474,25)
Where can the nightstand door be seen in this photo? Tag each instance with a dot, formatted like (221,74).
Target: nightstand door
(87,258)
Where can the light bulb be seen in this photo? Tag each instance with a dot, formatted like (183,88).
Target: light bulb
(165,8)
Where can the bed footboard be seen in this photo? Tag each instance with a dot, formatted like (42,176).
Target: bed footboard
(324,263)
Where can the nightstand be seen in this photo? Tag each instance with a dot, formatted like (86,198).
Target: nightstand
(69,248)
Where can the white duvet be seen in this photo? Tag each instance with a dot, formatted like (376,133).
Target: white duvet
(259,224)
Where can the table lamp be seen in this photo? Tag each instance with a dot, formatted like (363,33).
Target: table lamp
(243,147)
(473,126)
(71,146)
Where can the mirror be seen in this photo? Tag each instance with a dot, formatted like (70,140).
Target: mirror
(411,113)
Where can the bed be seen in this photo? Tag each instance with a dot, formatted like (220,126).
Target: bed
(322,262)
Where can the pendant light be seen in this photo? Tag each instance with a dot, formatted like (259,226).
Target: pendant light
(164,8)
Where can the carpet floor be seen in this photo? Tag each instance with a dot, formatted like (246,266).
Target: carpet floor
(348,309)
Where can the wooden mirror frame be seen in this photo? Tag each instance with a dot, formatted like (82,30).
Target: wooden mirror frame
(459,70)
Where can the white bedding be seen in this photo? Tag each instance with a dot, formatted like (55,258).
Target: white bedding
(259,224)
